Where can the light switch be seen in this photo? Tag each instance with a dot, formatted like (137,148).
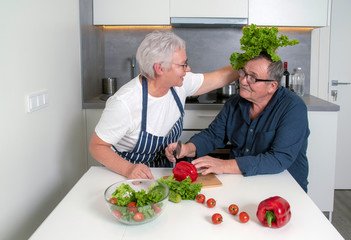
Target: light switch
(38,101)
(41,100)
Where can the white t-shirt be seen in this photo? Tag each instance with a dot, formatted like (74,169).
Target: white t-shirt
(120,122)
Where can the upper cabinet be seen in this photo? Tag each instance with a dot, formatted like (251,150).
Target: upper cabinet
(131,12)
(209,8)
(289,13)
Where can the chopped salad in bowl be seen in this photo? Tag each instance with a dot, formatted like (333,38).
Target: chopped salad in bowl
(136,201)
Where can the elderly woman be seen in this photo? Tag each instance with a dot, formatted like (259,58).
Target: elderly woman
(146,114)
(266,125)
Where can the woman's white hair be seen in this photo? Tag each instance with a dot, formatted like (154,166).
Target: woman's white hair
(157,47)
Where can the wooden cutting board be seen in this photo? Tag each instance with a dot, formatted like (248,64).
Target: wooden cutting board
(208,181)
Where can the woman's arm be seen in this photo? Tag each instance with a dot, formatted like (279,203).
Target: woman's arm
(102,152)
(217,79)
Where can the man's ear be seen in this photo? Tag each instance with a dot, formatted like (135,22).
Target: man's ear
(274,85)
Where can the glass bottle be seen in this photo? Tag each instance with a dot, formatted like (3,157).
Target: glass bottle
(286,75)
(299,82)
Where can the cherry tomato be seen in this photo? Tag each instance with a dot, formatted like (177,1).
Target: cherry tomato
(132,207)
(233,209)
(117,213)
(132,204)
(217,218)
(138,217)
(156,208)
(113,200)
(200,198)
(244,217)
(211,203)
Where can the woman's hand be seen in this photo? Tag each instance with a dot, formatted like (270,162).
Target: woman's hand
(103,153)
(139,170)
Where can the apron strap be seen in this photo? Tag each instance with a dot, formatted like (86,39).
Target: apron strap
(144,108)
(179,104)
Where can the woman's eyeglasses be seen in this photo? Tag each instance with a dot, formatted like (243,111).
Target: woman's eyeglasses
(185,65)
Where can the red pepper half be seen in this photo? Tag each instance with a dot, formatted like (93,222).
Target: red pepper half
(274,212)
(184,169)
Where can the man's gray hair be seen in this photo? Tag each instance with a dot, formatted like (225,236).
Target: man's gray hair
(157,47)
(275,69)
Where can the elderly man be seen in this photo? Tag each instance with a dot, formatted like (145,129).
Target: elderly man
(266,125)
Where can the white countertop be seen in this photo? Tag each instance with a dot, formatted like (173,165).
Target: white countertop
(83,214)
(313,104)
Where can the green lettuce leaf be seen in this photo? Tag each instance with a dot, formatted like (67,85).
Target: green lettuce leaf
(259,39)
(125,194)
(186,189)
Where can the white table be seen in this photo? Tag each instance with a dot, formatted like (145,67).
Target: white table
(82,214)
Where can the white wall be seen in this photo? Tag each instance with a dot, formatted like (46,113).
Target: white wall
(42,153)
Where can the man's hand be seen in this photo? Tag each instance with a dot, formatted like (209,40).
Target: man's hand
(187,150)
(169,151)
(215,165)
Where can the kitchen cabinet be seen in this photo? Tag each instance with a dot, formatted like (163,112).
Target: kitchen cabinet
(195,121)
(321,154)
(297,13)
(289,13)
(209,8)
(159,12)
(132,12)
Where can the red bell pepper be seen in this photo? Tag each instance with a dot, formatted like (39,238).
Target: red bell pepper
(184,169)
(274,212)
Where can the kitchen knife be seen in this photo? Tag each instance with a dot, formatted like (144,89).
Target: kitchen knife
(178,149)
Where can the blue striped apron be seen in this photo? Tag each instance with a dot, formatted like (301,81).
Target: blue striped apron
(150,149)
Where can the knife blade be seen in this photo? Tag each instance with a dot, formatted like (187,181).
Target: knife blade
(178,149)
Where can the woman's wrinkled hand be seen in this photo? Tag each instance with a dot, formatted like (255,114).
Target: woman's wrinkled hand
(139,170)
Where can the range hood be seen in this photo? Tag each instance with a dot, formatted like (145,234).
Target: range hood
(208,22)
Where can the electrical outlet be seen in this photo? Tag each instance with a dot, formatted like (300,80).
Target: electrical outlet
(38,101)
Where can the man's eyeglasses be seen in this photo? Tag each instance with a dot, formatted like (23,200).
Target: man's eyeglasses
(185,65)
(250,79)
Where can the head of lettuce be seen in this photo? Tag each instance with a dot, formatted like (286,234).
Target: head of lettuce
(256,40)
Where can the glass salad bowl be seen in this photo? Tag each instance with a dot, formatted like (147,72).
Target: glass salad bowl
(136,201)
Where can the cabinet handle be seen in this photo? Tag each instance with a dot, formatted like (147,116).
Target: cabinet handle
(336,83)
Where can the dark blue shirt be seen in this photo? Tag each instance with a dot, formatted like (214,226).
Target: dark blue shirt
(274,141)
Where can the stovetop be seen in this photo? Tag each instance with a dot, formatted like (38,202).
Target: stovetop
(209,98)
